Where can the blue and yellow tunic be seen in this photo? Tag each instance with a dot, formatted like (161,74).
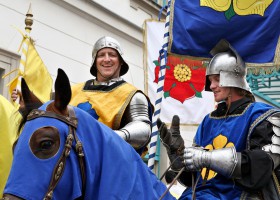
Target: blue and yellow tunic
(220,131)
(105,103)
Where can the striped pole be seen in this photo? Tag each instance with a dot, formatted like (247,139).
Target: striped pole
(24,47)
(159,94)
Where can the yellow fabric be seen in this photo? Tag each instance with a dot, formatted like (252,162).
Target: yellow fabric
(109,105)
(37,76)
(34,72)
(176,190)
(177,196)
(8,131)
(12,85)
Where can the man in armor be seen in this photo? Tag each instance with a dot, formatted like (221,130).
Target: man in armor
(236,150)
(111,100)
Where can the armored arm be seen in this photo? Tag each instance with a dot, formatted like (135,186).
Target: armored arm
(137,130)
(225,161)
(273,149)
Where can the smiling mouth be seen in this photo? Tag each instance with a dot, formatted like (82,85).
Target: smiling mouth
(216,93)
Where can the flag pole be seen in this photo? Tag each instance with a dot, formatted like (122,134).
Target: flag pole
(24,47)
(159,94)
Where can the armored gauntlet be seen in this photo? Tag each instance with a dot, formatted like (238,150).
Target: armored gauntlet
(173,142)
(222,161)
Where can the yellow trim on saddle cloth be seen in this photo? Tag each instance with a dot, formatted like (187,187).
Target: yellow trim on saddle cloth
(108,105)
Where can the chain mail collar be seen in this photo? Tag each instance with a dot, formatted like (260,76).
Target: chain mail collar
(107,83)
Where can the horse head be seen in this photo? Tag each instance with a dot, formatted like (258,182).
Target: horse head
(64,153)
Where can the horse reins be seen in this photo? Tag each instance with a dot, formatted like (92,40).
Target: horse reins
(58,170)
(194,181)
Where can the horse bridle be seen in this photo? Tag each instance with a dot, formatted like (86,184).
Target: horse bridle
(58,170)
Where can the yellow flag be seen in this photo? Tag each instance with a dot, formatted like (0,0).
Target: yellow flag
(8,130)
(36,75)
(34,71)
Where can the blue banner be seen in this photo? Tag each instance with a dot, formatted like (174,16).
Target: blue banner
(252,28)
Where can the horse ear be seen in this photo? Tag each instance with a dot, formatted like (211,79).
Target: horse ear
(29,97)
(62,91)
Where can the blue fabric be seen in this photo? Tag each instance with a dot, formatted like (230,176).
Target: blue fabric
(196,29)
(113,168)
(86,106)
(220,187)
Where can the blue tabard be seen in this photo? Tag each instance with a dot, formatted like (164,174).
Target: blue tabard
(220,132)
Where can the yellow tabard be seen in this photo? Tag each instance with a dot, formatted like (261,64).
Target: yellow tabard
(108,105)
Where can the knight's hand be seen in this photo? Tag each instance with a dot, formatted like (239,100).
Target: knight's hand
(196,158)
(171,138)
(15,95)
(173,141)
(224,161)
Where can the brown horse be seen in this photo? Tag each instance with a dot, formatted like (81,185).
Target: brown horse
(63,153)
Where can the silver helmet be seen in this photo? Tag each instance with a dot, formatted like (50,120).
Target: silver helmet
(229,65)
(111,43)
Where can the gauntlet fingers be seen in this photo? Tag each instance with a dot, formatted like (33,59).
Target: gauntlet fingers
(194,158)
(175,125)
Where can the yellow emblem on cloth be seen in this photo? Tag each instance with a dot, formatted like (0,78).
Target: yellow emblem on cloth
(245,7)
(219,142)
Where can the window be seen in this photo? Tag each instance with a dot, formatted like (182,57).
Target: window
(161,3)
(9,61)
(151,7)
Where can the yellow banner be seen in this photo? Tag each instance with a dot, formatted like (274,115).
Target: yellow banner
(8,132)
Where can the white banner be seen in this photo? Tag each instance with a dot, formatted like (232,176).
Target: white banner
(193,109)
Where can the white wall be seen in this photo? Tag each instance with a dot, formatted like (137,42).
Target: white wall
(66,30)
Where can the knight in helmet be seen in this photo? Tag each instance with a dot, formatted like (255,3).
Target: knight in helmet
(236,149)
(110,99)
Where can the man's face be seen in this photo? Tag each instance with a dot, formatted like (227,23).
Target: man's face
(108,64)
(220,93)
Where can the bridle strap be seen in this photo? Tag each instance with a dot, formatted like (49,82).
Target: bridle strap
(194,181)
(60,165)
(80,152)
(71,120)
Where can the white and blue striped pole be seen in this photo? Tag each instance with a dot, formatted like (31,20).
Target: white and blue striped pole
(159,94)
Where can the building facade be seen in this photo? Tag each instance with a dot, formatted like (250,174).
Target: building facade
(65,31)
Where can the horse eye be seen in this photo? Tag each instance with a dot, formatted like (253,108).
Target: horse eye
(46,145)
(45,142)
